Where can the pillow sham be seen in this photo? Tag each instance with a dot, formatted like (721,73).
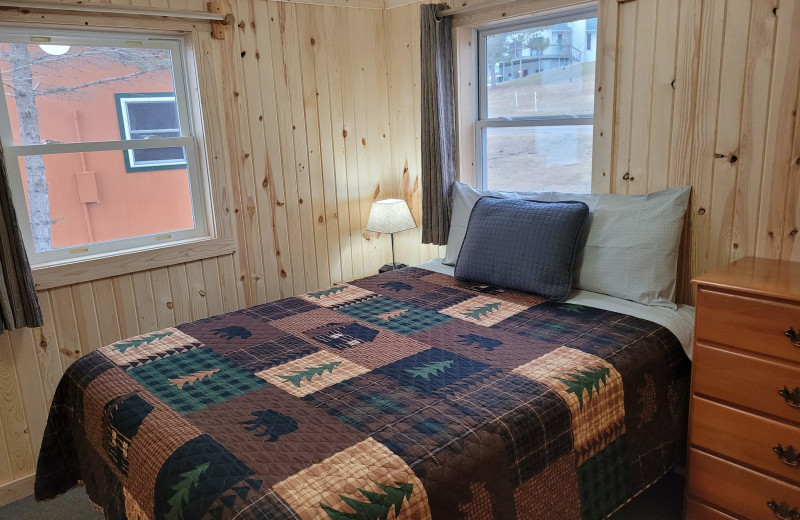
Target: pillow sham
(522,245)
(630,243)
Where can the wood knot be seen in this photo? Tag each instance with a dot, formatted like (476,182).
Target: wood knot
(701,211)
(736,246)
(719,155)
(313,41)
(792,232)
(265,183)
(301,201)
(235,94)
(260,118)
(320,219)
(258,55)
(244,53)
(283,273)
(43,344)
(236,210)
(770,234)
(241,24)
(241,278)
(364,141)
(797,162)
(202,293)
(733,159)
(170,305)
(344,133)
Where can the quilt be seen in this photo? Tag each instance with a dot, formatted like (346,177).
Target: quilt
(405,395)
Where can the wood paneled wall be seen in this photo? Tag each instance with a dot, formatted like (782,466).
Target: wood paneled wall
(693,92)
(706,94)
(301,141)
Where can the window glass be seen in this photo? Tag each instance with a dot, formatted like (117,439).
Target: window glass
(98,144)
(559,158)
(54,92)
(534,130)
(149,116)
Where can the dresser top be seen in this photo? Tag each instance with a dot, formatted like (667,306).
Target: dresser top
(774,278)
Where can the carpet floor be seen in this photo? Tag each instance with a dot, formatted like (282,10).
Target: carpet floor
(663,501)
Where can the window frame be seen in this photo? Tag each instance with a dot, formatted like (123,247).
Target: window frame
(72,264)
(122,101)
(482,121)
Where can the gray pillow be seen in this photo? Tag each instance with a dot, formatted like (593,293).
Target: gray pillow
(630,245)
(522,245)
(462,198)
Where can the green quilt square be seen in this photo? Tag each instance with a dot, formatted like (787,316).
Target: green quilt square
(602,483)
(396,316)
(195,380)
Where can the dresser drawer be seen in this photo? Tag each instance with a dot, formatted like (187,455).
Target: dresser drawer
(697,511)
(745,380)
(739,490)
(747,323)
(744,437)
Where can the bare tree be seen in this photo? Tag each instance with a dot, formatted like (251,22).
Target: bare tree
(25,90)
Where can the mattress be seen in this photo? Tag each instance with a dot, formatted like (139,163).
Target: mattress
(403,395)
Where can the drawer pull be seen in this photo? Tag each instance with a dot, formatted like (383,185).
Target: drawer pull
(792,397)
(787,455)
(793,336)
(783,511)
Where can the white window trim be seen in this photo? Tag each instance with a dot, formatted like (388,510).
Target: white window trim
(72,265)
(482,121)
(126,125)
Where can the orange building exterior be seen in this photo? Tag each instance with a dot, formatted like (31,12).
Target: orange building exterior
(92,196)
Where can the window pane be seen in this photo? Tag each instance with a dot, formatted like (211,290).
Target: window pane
(152,115)
(67,94)
(86,198)
(541,71)
(539,158)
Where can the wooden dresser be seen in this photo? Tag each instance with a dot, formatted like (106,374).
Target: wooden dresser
(744,424)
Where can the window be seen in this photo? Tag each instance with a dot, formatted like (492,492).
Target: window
(80,113)
(148,116)
(536,104)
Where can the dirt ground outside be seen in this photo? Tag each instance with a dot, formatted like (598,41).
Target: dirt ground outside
(552,158)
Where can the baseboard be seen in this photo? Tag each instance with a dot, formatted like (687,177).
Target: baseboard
(16,489)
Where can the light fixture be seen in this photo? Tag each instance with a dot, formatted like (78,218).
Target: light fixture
(390,216)
(54,50)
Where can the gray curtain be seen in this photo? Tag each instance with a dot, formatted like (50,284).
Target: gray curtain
(438,123)
(19,305)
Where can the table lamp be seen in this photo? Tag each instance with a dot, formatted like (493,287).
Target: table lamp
(390,216)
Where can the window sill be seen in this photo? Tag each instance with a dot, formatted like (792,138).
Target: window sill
(49,277)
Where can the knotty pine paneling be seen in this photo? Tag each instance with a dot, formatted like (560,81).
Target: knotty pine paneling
(701,93)
(311,113)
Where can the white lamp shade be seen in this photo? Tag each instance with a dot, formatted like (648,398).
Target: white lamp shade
(390,216)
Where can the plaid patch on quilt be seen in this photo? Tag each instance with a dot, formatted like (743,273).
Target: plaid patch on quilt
(406,395)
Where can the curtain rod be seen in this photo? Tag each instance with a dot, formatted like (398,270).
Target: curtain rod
(452,11)
(114,9)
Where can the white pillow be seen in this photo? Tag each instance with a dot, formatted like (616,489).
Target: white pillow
(631,246)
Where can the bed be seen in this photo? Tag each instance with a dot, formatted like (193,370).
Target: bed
(404,395)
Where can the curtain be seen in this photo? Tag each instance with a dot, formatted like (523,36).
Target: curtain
(19,305)
(438,123)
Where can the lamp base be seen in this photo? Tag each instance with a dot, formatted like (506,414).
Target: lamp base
(389,267)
